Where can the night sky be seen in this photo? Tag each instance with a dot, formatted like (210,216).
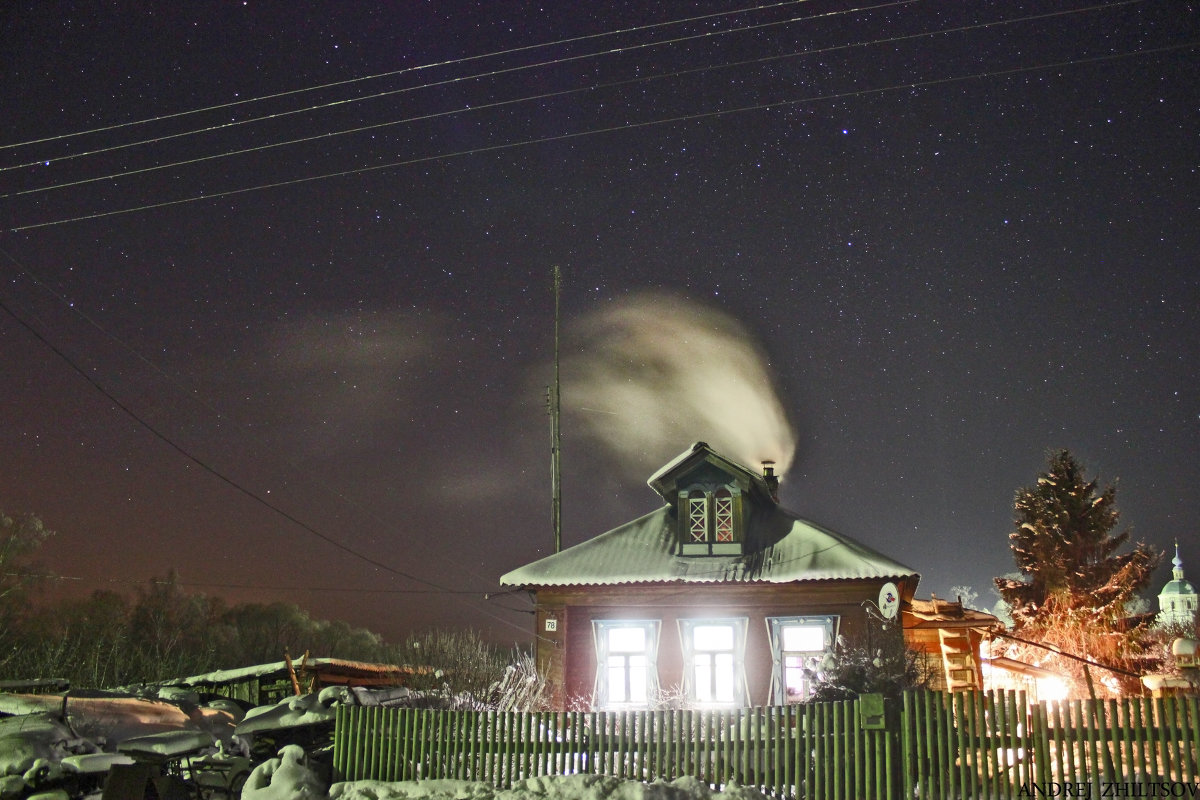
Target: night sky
(278,308)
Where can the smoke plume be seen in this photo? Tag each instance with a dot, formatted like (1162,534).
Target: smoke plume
(653,374)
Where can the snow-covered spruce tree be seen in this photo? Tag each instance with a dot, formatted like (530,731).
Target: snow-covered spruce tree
(1074,587)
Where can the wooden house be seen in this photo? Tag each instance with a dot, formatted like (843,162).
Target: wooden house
(719,598)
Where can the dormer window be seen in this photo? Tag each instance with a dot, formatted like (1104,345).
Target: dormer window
(697,516)
(723,516)
(710,522)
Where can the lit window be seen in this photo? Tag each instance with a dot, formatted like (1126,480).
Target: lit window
(698,517)
(709,522)
(723,515)
(798,647)
(713,652)
(626,675)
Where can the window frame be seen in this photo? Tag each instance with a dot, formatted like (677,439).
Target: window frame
(715,508)
(741,693)
(775,628)
(601,629)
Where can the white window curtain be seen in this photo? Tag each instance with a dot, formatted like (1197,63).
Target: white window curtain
(798,647)
(714,657)
(626,663)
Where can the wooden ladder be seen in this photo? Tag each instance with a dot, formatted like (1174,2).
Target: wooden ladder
(958,660)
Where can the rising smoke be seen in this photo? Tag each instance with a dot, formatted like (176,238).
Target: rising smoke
(648,377)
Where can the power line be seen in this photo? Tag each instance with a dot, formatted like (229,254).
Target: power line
(393,73)
(230,482)
(195,396)
(612,129)
(436,84)
(205,466)
(486,595)
(567,92)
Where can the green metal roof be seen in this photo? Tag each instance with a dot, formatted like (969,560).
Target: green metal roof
(779,548)
(1180,587)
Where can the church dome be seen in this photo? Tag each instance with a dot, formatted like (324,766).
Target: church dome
(1177,602)
(1177,588)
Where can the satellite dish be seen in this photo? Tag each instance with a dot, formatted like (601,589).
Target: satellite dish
(889,600)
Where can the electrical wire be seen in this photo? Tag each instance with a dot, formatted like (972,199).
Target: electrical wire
(485,594)
(393,73)
(232,483)
(204,465)
(614,128)
(449,81)
(195,396)
(562,93)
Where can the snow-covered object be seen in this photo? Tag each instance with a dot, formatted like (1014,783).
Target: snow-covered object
(167,745)
(16,705)
(290,778)
(285,778)
(93,763)
(104,719)
(295,712)
(387,696)
(43,771)
(236,712)
(12,786)
(570,787)
(24,740)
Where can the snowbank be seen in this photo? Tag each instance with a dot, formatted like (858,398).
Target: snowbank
(289,778)
(37,737)
(294,712)
(285,778)
(570,787)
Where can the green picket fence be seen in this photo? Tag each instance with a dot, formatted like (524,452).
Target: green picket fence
(931,745)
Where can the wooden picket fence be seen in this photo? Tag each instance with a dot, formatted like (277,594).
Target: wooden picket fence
(929,745)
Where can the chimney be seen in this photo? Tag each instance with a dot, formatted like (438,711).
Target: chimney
(771,479)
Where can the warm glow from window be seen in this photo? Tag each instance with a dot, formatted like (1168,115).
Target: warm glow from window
(626,665)
(802,646)
(1051,689)
(627,640)
(724,516)
(627,678)
(714,678)
(713,637)
(714,669)
(794,683)
(804,638)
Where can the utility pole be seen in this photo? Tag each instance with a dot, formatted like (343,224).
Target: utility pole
(555,431)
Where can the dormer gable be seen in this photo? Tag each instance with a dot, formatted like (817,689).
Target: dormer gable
(711,498)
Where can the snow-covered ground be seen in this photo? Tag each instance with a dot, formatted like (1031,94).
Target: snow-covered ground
(46,740)
(287,778)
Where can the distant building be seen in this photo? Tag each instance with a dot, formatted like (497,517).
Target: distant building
(1177,601)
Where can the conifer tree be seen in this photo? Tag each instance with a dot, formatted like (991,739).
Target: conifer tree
(1075,586)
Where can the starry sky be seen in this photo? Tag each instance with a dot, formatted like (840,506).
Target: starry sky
(278,307)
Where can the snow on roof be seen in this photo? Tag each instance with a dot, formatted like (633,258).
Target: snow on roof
(664,480)
(780,547)
(165,744)
(938,613)
(323,666)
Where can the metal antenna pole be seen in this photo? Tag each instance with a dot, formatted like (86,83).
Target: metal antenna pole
(555,431)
